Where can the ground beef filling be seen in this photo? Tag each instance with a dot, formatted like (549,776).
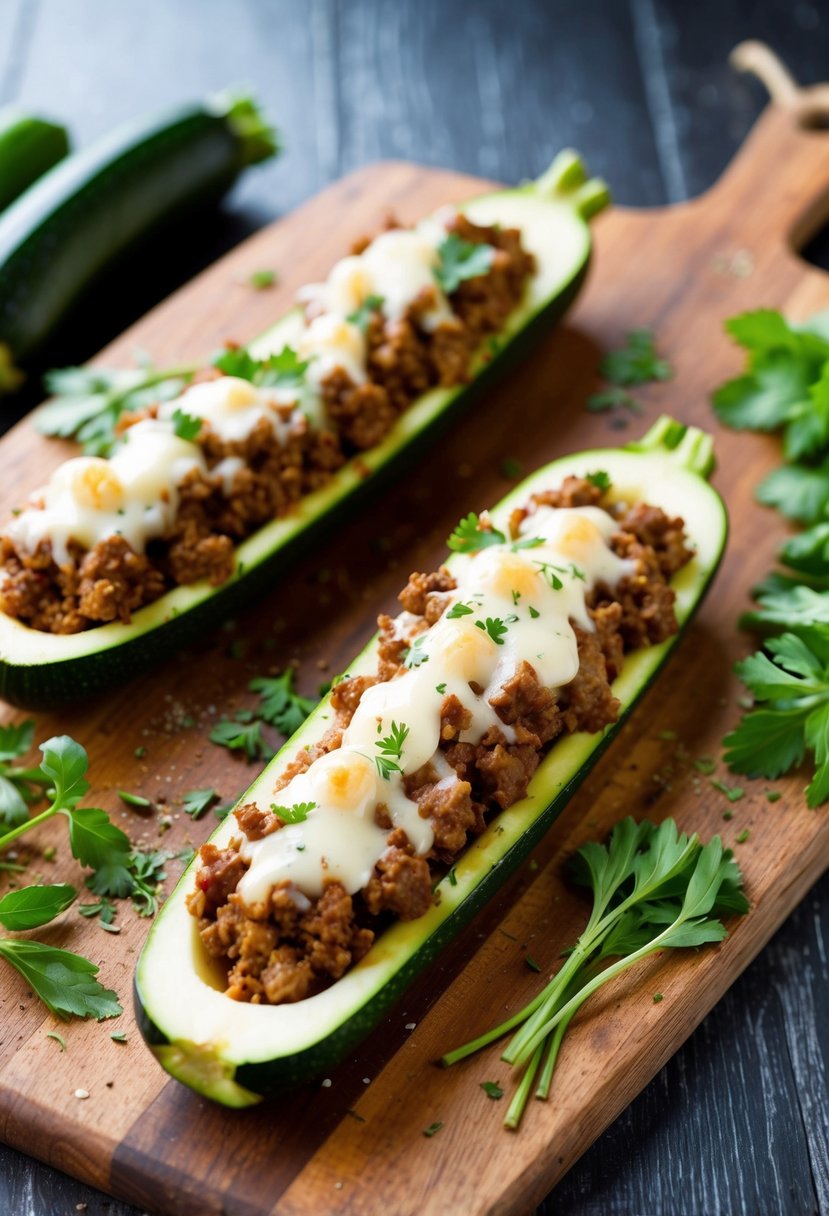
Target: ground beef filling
(292,947)
(110,581)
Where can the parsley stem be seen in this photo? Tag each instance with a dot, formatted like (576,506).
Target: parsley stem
(26,774)
(522,1093)
(498,1032)
(542,1091)
(8,837)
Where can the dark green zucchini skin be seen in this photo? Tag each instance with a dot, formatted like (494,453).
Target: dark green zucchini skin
(45,685)
(29,146)
(93,206)
(270,1076)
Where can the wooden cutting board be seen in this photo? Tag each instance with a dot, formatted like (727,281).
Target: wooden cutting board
(356,1145)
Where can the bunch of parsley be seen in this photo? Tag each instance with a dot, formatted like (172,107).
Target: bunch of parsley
(785,389)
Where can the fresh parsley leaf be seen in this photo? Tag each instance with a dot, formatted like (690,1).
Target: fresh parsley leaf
(470,535)
(285,370)
(492,1090)
(280,705)
(105,909)
(95,840)
(65,763)
(14,809)
(186,426)
(89,401)
(196,802)
(15,740)
(610,399)
(33,906)
(459,610)
(363,315)
(416,655)
(495,627)
(600,480)
(147,873)
(243,736)
(459,260)
(63,981)
(391,750)
(297,813)
(636,363)
(799,492)
(791,683)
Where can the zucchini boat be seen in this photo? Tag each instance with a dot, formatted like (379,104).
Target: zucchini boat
(28,147)
(40,669)
(235,1053)
(92,207)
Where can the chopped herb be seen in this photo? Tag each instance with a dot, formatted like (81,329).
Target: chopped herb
(531,963)
(416,655)
(705,764)
(458,610)
(59,1039)
(105,908)
(432,1129)
(297,813)
(470,536)
(119,1036)
(195,803)
(534,613)
(237,734)
(495,627)
(773,795)
(732,792)
(133,799)
(743,836)
(285,370)
(453,878)
(459,260)
(260,280)
(636,363)
(186,426)
(611,399)
(492,1090)
(362,317)
(657,997)
(516,596)
(511,469)
(528,542)
(440,688)
(391,751)
(667,736)
(140,753)
(600,480)
(280,704)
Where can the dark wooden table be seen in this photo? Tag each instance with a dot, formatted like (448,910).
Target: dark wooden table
(738,1121)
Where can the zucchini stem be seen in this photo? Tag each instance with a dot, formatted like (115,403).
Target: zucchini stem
(566,180)
(258,138)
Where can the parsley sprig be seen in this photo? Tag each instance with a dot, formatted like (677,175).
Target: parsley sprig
(282,370)
(20,786)
(298,812)
(459,260)
(391,750)
(653,888)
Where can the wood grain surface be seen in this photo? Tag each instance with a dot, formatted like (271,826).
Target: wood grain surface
(337,1148)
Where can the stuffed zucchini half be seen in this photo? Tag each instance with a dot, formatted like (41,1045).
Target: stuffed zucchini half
(235,1051)
(47,657)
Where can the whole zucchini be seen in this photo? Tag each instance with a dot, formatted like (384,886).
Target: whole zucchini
(93,206)
(41,669)
(28,147)
(236,1053)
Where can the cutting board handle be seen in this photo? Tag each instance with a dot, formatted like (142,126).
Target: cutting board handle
(779,180)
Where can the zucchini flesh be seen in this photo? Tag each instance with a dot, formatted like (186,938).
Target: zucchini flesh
(236,1053)
(29,146)
(39,669)
(97,203)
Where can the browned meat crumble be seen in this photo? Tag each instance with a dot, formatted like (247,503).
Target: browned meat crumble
(110,582)
(289,948)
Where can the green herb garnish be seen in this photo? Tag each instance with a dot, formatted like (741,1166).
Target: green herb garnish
(636,363)
(391,750)
(195,803)
(186,426)
(363,315)
(260,280)
(459,260)
(280,704)
(297,813)
(470,536)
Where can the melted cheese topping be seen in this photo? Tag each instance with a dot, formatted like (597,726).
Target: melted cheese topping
(330,342)
(234,407)
(134,494)
(528,597)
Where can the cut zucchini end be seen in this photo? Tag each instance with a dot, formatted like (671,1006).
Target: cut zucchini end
(202,1068)
(566,180)
(688,446)
(259,139)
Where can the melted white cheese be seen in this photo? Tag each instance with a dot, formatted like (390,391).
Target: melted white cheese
(134,494)
(535,592)
(330,342)
(234,407)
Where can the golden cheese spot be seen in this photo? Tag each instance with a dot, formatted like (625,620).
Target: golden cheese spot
(470,652)
(511,573)
(342,779)
(579,537)
(239,394)
(94,485)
